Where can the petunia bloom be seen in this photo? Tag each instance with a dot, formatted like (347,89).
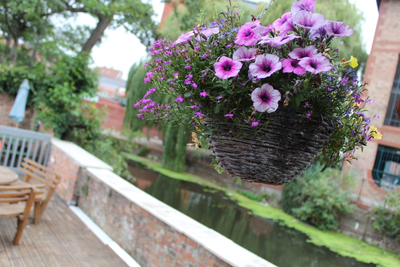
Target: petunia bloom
(277,24)
(292,65)
(316,64)
(299,53)
(288,26)
(264,66)
(266,98)
(308,20)
(338,29)
(303,5)
(246,36)
(279,41)
(227,68)
(207,33)
(318,32)
(244,54)
(184,38)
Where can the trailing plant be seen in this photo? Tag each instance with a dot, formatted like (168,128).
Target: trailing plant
(319,198)
(248,75)
(386,218)
(254,196)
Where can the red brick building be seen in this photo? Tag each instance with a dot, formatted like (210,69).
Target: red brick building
(378,167)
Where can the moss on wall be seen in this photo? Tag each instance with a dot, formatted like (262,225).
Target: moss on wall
(336,242)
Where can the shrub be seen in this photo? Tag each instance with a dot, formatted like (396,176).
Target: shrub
(319,198)
(386,218)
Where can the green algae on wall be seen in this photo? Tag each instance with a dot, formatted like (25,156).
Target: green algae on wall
(336,242)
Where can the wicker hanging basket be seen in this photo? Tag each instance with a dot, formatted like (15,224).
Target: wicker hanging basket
(276,155)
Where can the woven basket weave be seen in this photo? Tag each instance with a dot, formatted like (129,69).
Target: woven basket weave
(276,155)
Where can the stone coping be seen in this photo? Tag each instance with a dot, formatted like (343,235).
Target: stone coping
(81,156)
(212,241)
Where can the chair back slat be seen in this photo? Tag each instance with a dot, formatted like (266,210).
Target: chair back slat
(37,171)
(37,165)
(14,199)
(37,177)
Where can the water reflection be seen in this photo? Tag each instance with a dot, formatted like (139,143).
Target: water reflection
(280,245)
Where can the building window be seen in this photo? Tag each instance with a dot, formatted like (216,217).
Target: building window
(391,114)
(386,172)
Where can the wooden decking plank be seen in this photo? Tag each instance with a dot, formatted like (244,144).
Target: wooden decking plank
(8,234)
(4,258)
(23,251)
(31,247)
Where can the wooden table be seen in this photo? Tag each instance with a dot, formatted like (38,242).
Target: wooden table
(7,176)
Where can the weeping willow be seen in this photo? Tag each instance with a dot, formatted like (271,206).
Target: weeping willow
(175,137)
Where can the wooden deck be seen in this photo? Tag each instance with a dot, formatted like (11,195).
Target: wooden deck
(60,240)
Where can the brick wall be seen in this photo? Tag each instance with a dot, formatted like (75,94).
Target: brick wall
(379,75)
(153,233)
(6,103)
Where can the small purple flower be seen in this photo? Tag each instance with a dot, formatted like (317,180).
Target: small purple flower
(176,74)
(194,106)
(203,94)
(265,66)
(188,67)
(345,80)
(229,115)
(184,38)
(226,68)
(179,99)
(246,36)
(308,20)
(204,56)
(242,54)
(376,117)
(199,114)
(316,64)
(236,12)
(303,5)
(299,53)
(266,98)
(338,29)
(307,105)
(292,65)
(255,124)
(308,115)
(194,85)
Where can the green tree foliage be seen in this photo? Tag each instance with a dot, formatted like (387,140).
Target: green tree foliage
(386,218)
(319,198)
(185,17)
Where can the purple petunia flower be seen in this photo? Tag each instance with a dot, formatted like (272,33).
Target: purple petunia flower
(308,20)
(288,26)
(303,5)
(265,98)
(265,66)
(227,68)
(299,53)
(253,24)
(262,31)
(242,54)
(338,29)
(280,40)
(246,36)
(207,33)
(184,38)
(292,65)
(319,32)
(203,94)
(277,24)
(316,64)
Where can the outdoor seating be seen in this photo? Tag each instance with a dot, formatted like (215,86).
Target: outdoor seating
(45,182)
(17,201)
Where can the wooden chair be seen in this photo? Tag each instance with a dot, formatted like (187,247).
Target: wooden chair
(45,182)
(17,201)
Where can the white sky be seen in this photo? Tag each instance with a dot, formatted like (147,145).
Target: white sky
(119,49)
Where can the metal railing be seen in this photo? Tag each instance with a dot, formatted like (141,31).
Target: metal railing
(18,144)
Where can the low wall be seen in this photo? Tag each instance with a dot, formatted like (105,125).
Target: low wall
(153,233)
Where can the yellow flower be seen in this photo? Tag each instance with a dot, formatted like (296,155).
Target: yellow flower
(374,133)
(353,62)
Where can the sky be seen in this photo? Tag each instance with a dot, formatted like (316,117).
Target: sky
(119,49)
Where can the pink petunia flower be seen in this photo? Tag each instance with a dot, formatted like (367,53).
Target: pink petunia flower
(337,29)
(266,98)
(246,36)
(292,65)
(184,38)
(280,40)
(264,66)
(308,20)
(242,54)
(226,68)
(299,53)
(207,33)
(318,32)
(316,64)
(303,5)
(277,24)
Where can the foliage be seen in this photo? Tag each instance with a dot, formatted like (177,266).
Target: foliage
(386,218)
(198,72)
(319,198)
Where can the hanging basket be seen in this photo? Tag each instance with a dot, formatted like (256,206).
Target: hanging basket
(276,155)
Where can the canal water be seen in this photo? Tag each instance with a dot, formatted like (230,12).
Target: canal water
(283,246)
